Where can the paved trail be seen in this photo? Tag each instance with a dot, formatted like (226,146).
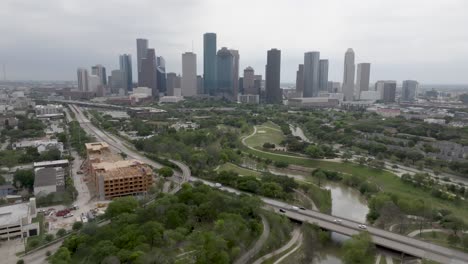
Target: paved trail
(295,237)
(258,245)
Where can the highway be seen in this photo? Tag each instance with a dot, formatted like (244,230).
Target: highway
(348,227)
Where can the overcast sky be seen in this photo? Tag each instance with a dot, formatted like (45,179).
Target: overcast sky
(426,40)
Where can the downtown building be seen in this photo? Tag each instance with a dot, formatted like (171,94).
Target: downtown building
(274,94)
(348,75)
(142,49)
(386,91)
(409,90)
(148,72)
(311,74)
(125,62)
(82,75)
(362,79)
(225,74)
(189,74)
(210,74)
(300,81)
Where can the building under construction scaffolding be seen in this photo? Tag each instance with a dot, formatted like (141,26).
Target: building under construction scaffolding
(113,176)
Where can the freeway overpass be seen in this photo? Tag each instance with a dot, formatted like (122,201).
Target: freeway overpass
(407,245)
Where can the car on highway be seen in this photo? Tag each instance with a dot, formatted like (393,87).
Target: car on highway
(338,221)
(294,208)
(218,185)
(362,226)
(282,210)
(302,208)
(79,172)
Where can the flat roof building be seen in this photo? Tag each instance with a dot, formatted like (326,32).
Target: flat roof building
(16,220)
(48,180)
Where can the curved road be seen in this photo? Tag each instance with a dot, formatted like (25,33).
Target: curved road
(258,245)
(296,235)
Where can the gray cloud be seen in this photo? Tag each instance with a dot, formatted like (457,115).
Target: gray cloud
(420,39)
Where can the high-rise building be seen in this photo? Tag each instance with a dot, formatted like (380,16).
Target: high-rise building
(125,62)
(199,84)
(235,72)
(209,63)
(100,71)
(274,94)
(258,83)
(323,75)
(311,73)
(348,76)
(249,81)
(117,81)
(387,90)
(82,75)
(300,80)
(409,90)
(362,79)
(142,47)
(94,82)
(148,72)
(161,75)
(189,74)
(171,83)
(225,70)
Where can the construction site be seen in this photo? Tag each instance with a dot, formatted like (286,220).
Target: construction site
(112,176)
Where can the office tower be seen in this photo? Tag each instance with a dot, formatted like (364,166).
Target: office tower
(142,47)
(323,75)
(117,81)
(334,87)
(161,75)
(387,90)
(209,63)
(82,75)
(300,80)
(149,72)
(249,81)
(258,84)
(171,81)
(409,90)
(100,71)
(126,66)
(199,84)
(189,74)
(225,70)
(362,79)
(94,82)
(311,73)
(274,94)
(235,72)
(348,76)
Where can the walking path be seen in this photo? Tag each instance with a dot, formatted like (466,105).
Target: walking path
(295,237)
(299,244)
(258,245)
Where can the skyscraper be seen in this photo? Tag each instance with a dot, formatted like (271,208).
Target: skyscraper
(209,63)
(409,90)
(125,61)
(249,81)
(348,76)
(225,70)
(117,81)
(161,75)
(323,75)
(387,90)
(82,75)
(148,72)
(100,71)
(189,74)
(142,47)
(362,79)
(311,73)
(199,84)
(235,72)
(274,94)
(171,83)
(94,82)
(300,80)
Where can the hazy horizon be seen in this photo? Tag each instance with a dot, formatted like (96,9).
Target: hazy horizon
(420,40)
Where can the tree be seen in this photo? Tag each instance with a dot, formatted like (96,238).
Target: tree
(61,232)
(62,256)
(121,205)
(77,226)
(347,155)
(165,172)
(281,164)
(24,179)
(49,237)
(314,152)
(2,180)
(359,249)
(320,175)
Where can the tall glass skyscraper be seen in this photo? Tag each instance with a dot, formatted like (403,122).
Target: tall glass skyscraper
(225,70)
(209,63)
(273,72)
(311,73)
(125,61)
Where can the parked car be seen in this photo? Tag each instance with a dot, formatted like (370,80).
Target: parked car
(62,212)
(68,215)
(362,226)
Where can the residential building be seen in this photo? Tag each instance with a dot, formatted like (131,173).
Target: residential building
(142,48)
(41,145)
(125,62)
(323,75)
(16,220)
(300,80)
(100,71)
(362,79)
(210,63)
(348,76)
(273,91)
(48,180)
(148,72)
(48,110)
(409,90)
(189,74)
(82,75)
(311,74)
(248,82)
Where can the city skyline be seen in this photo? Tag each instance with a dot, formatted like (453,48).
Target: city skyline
(377,42)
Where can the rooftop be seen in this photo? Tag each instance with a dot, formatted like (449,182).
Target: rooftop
(48,177)
(11,214)
(96,146)
(50,163)
(122,169)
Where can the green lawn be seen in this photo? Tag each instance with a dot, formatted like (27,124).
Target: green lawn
(239,170)
(265,133)
(385,180)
